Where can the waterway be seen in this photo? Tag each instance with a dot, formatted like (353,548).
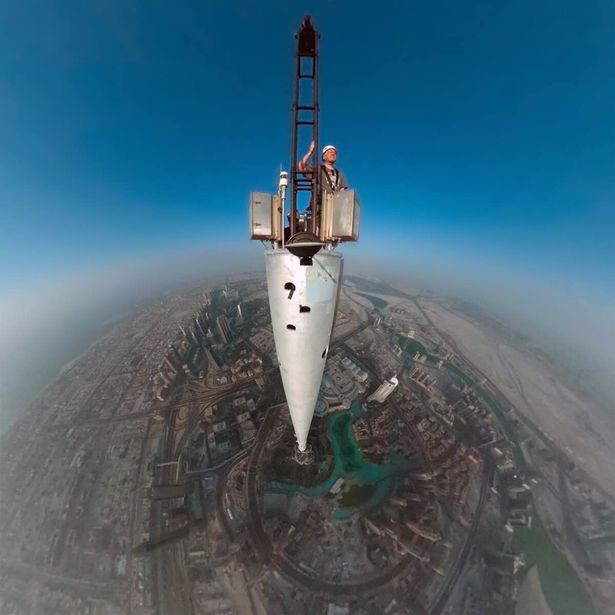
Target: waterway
(350,465)
(377,302)
(563,591)
(412,346)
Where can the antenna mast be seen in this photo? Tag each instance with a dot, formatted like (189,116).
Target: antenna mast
(305,113)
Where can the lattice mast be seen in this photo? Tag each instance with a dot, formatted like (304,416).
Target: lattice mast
(305,112)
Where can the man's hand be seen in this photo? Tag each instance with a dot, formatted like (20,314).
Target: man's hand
(303,162)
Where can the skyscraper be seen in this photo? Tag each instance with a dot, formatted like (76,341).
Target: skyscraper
(224,328)
(384,390)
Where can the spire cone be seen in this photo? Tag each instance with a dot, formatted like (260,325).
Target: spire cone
(303,302)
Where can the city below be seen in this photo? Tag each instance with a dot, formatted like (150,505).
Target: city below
(155,474)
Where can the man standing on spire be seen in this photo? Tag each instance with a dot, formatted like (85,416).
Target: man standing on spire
(331,179)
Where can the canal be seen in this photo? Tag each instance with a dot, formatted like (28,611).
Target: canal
(366,485)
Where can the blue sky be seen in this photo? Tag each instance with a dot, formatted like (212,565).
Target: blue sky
(478,134)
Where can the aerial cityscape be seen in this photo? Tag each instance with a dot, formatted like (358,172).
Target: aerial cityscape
(156,475)
(361,362)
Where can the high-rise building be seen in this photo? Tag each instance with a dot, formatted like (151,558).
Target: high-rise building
(174,357)
(200,326)
(384,390)
(423,531)
(224,328)
(230,294)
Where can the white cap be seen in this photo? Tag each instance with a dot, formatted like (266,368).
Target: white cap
(326,148)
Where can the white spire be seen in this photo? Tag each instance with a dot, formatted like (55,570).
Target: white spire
(303,302)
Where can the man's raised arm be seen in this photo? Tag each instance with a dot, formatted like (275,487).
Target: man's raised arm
(302,164)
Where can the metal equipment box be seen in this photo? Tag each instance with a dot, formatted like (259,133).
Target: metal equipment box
(341,214)
(265,217)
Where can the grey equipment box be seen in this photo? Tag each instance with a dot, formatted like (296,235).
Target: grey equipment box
(340,216)
(265,216)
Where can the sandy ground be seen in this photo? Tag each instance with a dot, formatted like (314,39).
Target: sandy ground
(578,425)
(531,600)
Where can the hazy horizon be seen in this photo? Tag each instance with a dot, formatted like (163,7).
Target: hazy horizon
(446,447)
(48,327)
(481,144)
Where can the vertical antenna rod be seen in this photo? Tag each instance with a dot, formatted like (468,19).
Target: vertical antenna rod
(305,113)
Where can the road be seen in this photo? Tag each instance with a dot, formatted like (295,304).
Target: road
(220,491)
(453,576)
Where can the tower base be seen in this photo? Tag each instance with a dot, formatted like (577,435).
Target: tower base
(305,457)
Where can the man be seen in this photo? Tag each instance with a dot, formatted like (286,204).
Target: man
(331,179)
